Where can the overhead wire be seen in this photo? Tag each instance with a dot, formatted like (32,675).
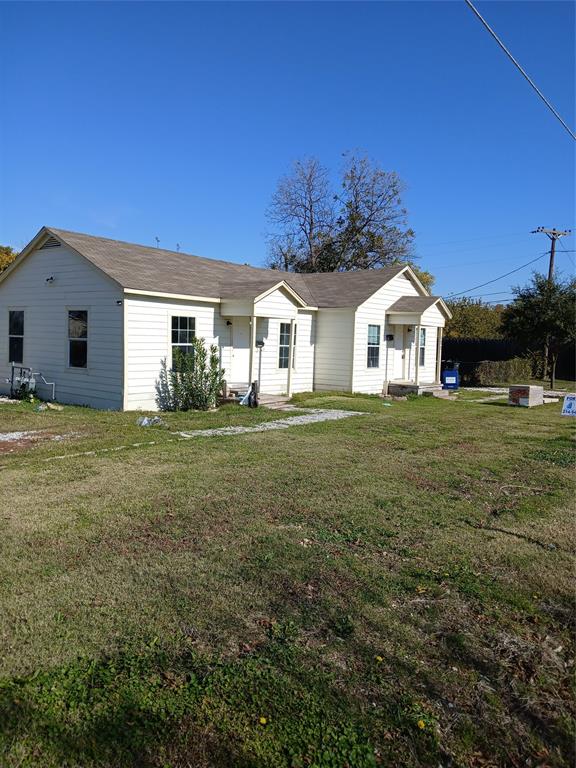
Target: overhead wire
(500,277)
(520,69)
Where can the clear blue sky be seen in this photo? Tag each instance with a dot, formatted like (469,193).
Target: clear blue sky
(135,120)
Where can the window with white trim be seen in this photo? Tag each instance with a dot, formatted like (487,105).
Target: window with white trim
(78,338)
(16,336)
(422,348)
(373,358)
(183,333)
(284,345)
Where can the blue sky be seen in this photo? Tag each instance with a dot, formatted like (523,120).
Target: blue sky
(136,120)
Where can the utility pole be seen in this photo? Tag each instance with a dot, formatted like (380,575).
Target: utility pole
(554,235)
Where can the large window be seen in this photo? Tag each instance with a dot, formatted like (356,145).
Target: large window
(284,346)
(373,360)
(78,338)
(183,332)
(422,347)
(16,336)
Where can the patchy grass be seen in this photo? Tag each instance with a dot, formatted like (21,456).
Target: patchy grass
(392,589)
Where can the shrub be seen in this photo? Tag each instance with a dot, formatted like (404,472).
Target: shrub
(193,383)
(516,370)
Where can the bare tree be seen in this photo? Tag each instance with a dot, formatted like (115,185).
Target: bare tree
(361,227)
(302,213)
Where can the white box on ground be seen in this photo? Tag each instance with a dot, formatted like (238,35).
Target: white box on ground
(526,395)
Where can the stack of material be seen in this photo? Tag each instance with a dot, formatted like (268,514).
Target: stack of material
(526,395)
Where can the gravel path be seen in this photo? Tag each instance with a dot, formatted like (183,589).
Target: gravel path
(504,391)
(313,416)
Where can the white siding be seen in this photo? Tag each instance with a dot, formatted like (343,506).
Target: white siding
(333,353)
(77,285)
(148,341)
(274,380)
(276,304)
(427,373)
(433,316)
(373,312)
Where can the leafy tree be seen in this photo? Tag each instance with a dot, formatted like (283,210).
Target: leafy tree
(361,226)
(7,256)
(543,313)
(473,319)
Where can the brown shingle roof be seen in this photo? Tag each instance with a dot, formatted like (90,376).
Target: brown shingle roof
(144,268)
(413,304)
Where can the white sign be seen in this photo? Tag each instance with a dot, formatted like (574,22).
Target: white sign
(569,407)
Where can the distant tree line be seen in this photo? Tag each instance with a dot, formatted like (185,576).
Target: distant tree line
(542,318)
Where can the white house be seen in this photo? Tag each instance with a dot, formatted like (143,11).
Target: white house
(95,317)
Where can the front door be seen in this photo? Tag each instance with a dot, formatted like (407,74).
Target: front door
(239,373)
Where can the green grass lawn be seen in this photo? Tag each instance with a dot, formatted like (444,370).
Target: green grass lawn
(393,589)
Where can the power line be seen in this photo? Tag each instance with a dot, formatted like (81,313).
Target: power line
(517,65)
(489,282)
(496,293)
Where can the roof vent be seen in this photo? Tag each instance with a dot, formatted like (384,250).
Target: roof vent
(52,242)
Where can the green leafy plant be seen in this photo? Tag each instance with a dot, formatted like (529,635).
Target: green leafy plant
(194,381)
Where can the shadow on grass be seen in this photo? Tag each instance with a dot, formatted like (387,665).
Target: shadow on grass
(136,709)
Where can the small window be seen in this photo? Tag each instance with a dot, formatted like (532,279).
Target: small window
(373,346)
(422,347)
(284,345)
(183,333)
(16,336)
(78,338)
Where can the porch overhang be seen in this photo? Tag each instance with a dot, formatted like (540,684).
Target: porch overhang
(419,310)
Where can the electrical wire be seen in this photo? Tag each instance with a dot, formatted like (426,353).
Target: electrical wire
(489,282)
(517,65)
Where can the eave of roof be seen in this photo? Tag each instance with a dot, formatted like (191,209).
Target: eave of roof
(159,272)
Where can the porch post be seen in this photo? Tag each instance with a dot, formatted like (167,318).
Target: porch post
(439,354)
(290,359)
(252,346)
(417,355)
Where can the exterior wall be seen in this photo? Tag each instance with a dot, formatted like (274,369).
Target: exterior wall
(77,285)
(373,312)
(427,372)
(274,380)
(148,340)
(276,304)
(433,316)
(334,348)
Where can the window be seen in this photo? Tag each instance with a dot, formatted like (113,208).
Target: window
(183,332)
(373,346)
(284,345)
(77,338)
(422,347)
(16,336)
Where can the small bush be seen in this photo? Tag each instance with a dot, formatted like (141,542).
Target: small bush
(193,383)
(516,370)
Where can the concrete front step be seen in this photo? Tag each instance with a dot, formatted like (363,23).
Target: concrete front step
(398,389)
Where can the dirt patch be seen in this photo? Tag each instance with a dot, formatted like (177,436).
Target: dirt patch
(11,442)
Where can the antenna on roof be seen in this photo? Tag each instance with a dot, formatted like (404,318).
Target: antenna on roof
(157,242)
(178,247)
